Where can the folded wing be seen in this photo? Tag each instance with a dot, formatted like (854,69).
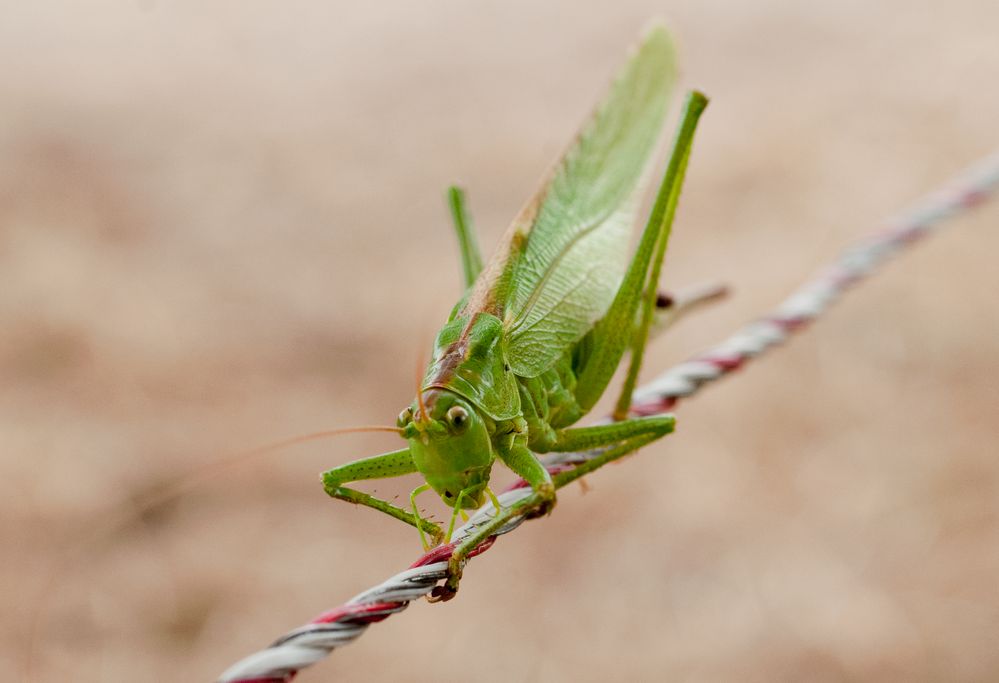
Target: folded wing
(562,259)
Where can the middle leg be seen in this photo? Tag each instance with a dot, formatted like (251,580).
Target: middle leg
(598,436)
(531,504)
(614,333)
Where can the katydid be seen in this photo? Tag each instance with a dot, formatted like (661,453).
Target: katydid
(541,328)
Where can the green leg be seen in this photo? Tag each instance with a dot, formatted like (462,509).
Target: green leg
(644,431)
(471,259)
(527,466)
(597,436)
(675,173)
(615,332)
(626,447)
(455,511)
(393,464)
(416,513)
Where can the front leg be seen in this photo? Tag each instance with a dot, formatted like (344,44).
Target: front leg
(619,439)
(392,464)
(541,502)
(527,466)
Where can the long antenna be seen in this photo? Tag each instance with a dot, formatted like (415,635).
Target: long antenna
(417,380)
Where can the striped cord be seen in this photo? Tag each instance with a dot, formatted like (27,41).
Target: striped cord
(308,644)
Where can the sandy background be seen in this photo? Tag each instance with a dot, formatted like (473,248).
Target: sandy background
(222,224)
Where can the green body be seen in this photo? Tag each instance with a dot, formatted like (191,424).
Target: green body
(541,329)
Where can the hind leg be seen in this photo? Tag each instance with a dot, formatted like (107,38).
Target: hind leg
(614,333)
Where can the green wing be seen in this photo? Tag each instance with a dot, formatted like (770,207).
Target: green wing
(566,253)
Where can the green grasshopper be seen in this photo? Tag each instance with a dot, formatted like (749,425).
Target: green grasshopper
(541,328)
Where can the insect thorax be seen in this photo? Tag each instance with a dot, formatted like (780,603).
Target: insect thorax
(470,360)
(548,402)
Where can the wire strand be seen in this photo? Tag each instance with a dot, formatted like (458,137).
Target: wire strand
(312,642)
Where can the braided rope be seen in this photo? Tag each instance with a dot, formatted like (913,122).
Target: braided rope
(306,645)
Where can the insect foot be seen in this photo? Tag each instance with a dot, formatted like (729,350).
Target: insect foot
(455,569)
(449,588)
(477,544)
(545,495)
(436,536)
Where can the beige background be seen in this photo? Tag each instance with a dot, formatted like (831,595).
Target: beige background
(221,223)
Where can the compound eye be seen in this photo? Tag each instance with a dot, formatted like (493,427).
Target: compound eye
(405,417)
(458,418)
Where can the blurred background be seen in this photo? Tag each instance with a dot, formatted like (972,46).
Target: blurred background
(222,224)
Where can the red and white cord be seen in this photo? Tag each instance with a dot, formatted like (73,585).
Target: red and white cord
(306,645)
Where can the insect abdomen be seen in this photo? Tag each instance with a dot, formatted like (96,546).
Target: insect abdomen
(549,403)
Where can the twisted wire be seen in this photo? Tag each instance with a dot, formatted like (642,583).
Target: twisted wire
(308,644)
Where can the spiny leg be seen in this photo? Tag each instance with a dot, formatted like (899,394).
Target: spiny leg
(392,464)
(468,246)
(598,436)
(673,181)
(416,513)
(614,333)
(625,448)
